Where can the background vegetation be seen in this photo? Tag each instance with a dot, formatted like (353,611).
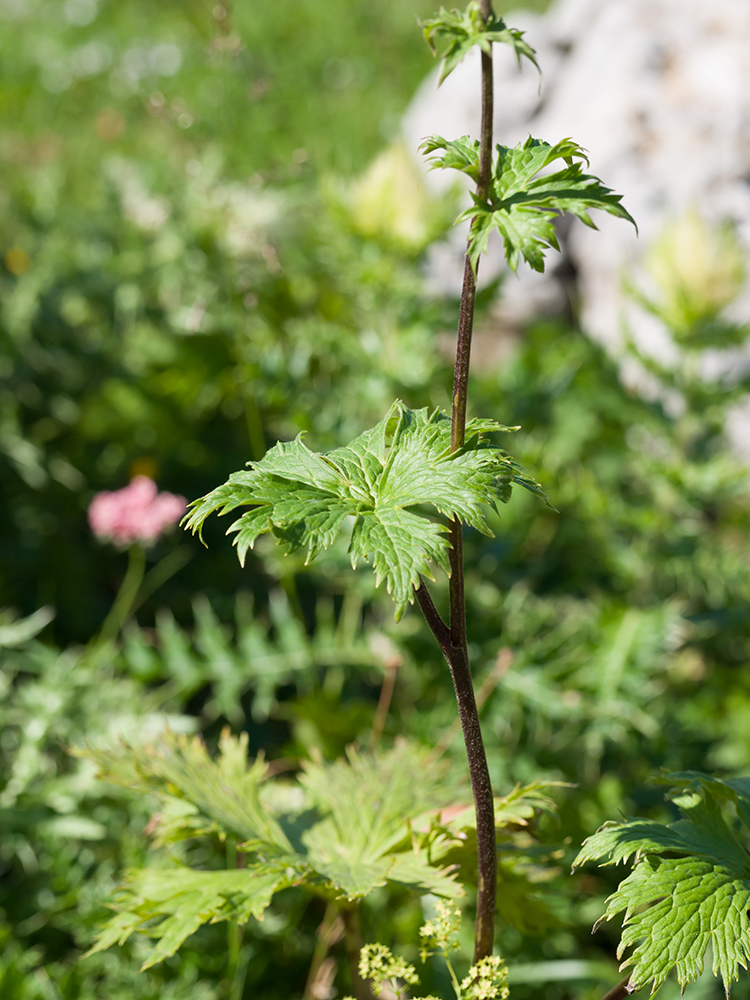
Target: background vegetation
(192,269)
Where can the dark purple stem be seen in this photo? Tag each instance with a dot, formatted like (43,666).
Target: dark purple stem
(452,640)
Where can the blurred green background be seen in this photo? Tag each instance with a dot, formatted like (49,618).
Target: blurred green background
(198,259)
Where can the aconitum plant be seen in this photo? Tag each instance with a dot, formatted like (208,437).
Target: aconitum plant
(410,484)
(405,490)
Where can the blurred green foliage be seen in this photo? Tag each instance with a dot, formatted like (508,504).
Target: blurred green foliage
(189,273)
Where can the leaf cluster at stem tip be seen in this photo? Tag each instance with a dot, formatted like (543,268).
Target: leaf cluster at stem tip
(398,485)
(464,29)
(525,197)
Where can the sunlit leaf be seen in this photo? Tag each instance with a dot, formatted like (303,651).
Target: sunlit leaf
(181,900)
(377,484)
(342,831)
(676,907)
(524,198)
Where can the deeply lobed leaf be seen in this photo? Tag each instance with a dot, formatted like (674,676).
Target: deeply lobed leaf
(458,154)
(181,900)
(450,836)
(524,199)
(686,785)
(344,831)
(378,483)
(675,907)
(364,839)
(224,792)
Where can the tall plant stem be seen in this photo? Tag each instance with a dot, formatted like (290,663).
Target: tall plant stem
(452,639)
(481,786)
(469,288)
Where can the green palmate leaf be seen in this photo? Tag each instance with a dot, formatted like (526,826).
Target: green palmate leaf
(686,785)
(364,839)
(675,907)
(181,900)
(378,483)
(450,836)
(341,831)
(221,794)
(464,29)
(512,811)
(525,197)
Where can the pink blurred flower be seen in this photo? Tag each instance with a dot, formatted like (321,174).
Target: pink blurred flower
(137,513)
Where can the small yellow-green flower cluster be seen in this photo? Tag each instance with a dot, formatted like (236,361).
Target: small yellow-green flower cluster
(376,962)
(487,980)
(439,934)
